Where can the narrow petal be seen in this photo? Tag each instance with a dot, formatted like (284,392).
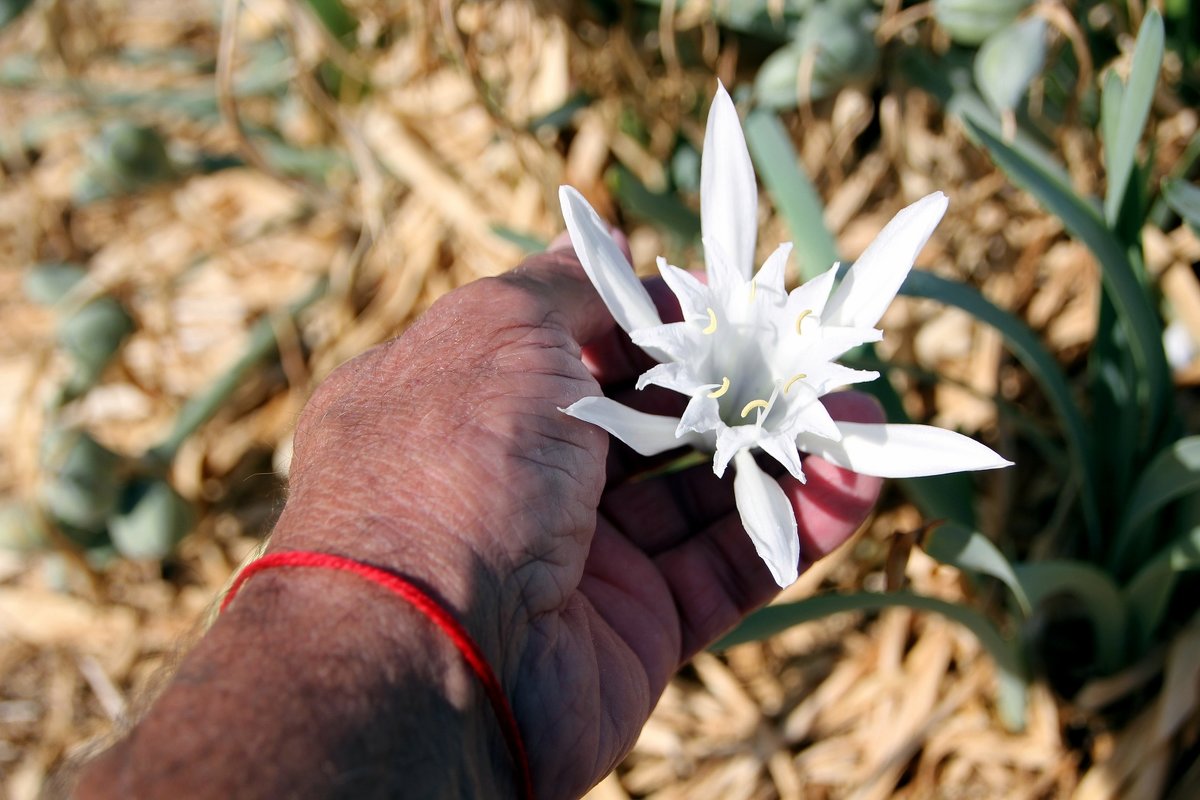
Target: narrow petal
(811,417)
(694,297)
(605,264)
(902,451)
(812,295)
(873,281)
(829,377)
(675,376)
(677,341)
(702,415)
(728,193)
(648,434)
(732,440)
(768,518)
(831,342)
(782,448)
(723,277)
(773,272)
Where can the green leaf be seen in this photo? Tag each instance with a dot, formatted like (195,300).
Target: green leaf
(150,521)
(1099,599)
(527,242)
(1184,200)
(833,46)
(1009,61)
(970,550)
(92,335)
(334,16)
(11,9)
(1174,472)
(972,21)
(660,208)
(1135,107)
(1025,345)
(771,620)
(560,117)
(1137,314)
(793,193)
(1150,590)
(49,282)
(200,408)
(82,483)
(1111,100)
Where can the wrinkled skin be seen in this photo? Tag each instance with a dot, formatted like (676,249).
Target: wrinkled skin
(442,455)
(598,588)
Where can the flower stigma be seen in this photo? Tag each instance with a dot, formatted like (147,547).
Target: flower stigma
(753,404)
(724,388)
(799,376)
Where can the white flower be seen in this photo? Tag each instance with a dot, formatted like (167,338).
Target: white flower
(754,359)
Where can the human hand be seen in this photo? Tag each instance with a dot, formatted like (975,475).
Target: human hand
(443,455)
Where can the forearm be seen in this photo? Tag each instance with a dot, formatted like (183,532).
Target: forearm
(312,684)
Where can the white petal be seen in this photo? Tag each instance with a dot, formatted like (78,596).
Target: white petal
(728,194)
(605,264)
(675,376)
(831,342)
(702,414)
(732,440)
(768,517)
(773,271)
(694,297)
(812,295)
(648,434)
(873,281)
(723,277)
(810,417)
(902,451)
(676,341)
(782,448)
(828,377)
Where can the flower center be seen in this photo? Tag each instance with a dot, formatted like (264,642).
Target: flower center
(744,361)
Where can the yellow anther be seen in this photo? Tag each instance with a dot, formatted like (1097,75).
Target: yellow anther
(712,322)
(753,404)
(720,392)
(798,376)
(800,318)
(753,289)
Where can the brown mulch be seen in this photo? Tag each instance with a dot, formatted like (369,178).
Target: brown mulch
(434,159)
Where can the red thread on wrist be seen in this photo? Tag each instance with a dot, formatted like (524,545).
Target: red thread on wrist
(432,610)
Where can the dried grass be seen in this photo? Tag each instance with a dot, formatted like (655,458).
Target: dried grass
(893,705)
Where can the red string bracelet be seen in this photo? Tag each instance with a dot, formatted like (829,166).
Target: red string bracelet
(429,607)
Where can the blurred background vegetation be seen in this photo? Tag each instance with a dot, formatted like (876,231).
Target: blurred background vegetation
(207,205)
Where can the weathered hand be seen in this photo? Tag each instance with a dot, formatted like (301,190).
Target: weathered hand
(444,455)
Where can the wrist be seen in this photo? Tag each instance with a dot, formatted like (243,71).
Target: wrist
(338,689)
(436,555)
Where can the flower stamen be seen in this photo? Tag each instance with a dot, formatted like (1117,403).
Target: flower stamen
(798,376)
(721,392)
(800,318)
(753,289)
(753,404)
(712,322)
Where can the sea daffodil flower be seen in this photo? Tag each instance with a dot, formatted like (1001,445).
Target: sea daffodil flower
(755,360)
